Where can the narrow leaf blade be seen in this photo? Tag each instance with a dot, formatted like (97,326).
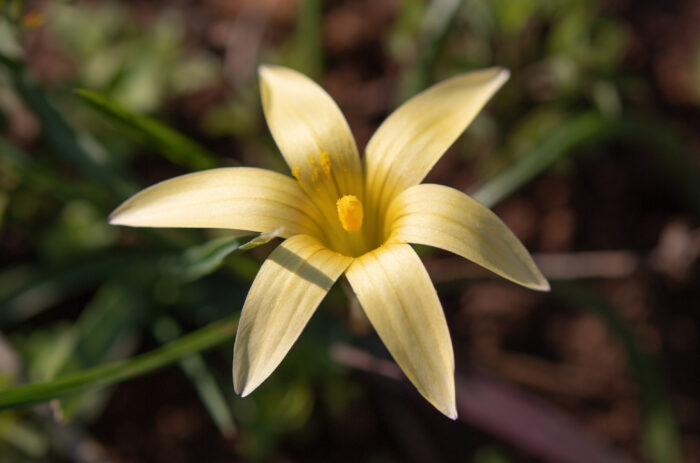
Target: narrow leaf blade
(112,373)
(176,147)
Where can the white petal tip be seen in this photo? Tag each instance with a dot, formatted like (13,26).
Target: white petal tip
(268,71)
(495,75)
(450,413)
(540,284)
(263,69)
(499,77)
(447,408)
(114,219)
(504,74)
(534,281)
(122,217)
(241,391)
(245,388)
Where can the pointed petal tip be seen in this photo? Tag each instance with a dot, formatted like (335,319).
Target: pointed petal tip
(500,76)
(504,73)
(540,284)
(448,406)
(240,389)
(496,74)
(121,216)
(449,410)
(263,70)
(114,218)
(246,389)
(268,71)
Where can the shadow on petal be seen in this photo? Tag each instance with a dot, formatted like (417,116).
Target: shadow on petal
(301,267)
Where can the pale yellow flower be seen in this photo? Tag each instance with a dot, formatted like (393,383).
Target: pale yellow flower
(344,215)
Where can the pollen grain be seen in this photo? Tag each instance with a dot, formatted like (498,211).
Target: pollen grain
(326,163)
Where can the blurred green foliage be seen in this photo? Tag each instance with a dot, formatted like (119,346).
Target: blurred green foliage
(84,304)
(136,65)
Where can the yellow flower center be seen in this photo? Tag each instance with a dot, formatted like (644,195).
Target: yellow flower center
(350,213)
(350,233)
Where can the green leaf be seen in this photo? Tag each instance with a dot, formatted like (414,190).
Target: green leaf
(112,373)
(201,260)
(261,239)
(26,437)
(113,313)
(9,37)
(582,129)
(26,290)
(308,52)
(46,179)
(165,330)
(440,19)
(672,155)
(176,147)
(78,148)
(102,332)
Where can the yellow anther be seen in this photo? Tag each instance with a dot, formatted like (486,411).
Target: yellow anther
(326,163)
(314,175)
(350,213)
(296,173)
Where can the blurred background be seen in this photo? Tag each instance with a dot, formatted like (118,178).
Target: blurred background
(590,154)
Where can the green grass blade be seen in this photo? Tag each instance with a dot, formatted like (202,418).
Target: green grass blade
(261,239)
(110,316)
(203,259)
(27,290)
(112,373)
(437,22)
(660,436)
(581,130)
(194,367)
(671,154)
(440,20)
(308,41)
(103,329)
(176,147)
(200,260)
(46,179)
(78,148)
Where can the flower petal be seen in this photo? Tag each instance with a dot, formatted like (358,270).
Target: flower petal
(412,139)
(395,292)
(288,288)
(446,218)
(306,123)
(241,198)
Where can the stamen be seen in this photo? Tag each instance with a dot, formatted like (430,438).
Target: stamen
(350,213)
(296,173)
